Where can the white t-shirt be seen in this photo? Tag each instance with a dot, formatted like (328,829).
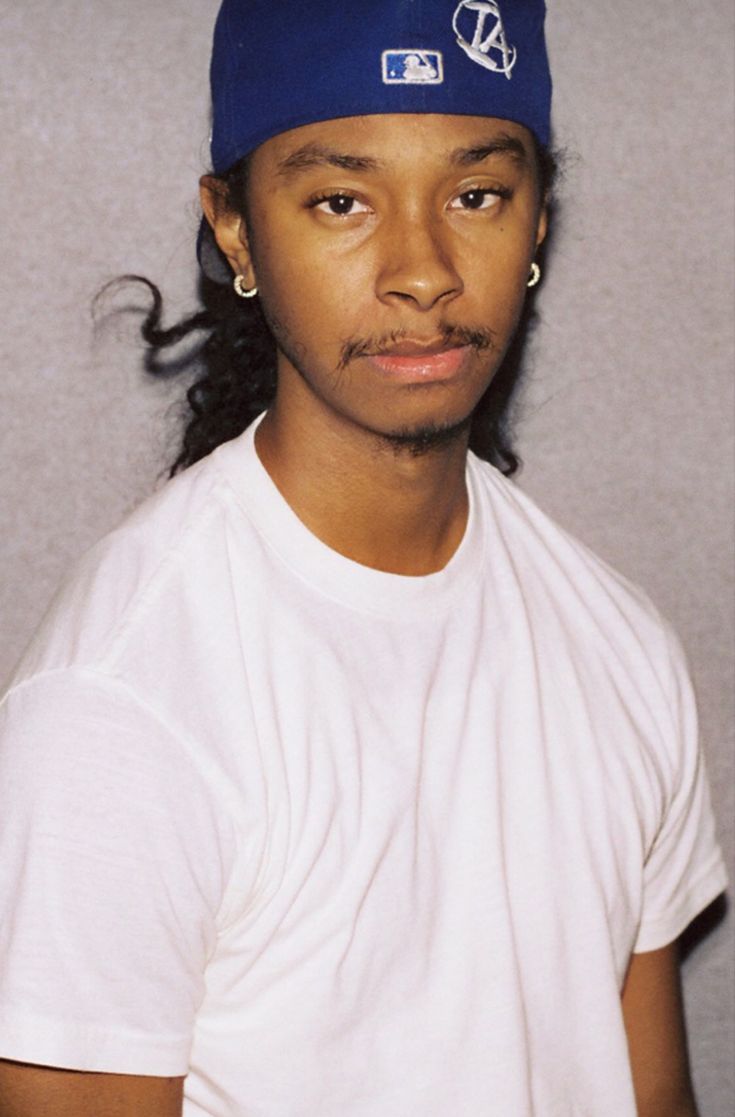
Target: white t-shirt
(332,841)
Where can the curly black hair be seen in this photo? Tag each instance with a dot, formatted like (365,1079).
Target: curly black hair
(236,362)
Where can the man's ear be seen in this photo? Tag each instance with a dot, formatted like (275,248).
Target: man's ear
(228,227)
(543,225)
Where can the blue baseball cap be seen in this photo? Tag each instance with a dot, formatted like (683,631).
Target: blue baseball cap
(280,64)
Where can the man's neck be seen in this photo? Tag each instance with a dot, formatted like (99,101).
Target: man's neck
(380,505)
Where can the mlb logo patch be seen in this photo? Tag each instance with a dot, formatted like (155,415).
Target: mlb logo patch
(413,67)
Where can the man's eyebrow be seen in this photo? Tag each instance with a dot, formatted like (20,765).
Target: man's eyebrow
(503,144)
(316,155)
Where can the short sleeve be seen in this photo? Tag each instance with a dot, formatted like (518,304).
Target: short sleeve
(684,870)
(113,863)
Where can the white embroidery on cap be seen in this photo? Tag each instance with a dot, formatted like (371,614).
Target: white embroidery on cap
(412,67)
(488,45)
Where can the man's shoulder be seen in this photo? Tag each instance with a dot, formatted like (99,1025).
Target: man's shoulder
(130,571)
(559,574)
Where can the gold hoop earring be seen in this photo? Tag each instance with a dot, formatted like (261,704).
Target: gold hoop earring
(535,275)
(242,290)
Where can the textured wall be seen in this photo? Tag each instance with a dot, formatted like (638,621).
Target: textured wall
(628,420)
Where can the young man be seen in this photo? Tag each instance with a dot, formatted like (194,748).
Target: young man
(340,780)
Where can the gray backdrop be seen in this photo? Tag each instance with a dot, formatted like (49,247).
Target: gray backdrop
(628,419)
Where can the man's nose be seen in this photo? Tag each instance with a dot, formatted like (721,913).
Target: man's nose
(417,265)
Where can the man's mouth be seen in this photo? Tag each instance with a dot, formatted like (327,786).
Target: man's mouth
(439,356)
(412,348)
(413,361)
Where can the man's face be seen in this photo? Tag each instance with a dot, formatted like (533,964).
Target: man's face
(392,254)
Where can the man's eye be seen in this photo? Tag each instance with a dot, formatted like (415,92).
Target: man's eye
(478,198)
(339,205)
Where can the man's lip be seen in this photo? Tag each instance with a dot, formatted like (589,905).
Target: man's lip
(425,366)
(416,349)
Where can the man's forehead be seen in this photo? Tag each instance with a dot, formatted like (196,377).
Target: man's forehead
(372,142)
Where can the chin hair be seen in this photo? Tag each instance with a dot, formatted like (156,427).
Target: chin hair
(417,441)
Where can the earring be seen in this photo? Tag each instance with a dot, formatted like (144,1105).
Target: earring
(242,290)
(535,275)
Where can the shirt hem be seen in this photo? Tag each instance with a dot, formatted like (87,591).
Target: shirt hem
(659,932)
(61,1044)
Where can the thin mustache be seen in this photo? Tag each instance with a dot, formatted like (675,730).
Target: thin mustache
(453,337)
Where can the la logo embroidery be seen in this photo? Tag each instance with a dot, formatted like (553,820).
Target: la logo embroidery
(488,47)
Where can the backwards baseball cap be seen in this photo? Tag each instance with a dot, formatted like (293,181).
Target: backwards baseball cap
(280,64)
